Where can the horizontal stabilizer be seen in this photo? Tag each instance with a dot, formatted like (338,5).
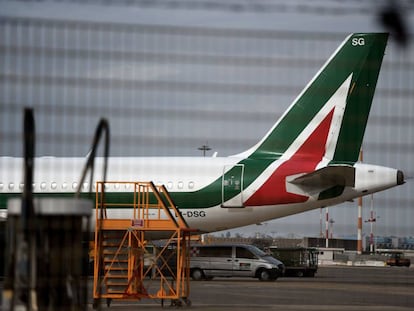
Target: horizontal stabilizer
(330,176)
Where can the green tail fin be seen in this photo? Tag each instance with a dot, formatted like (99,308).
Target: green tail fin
(349,77)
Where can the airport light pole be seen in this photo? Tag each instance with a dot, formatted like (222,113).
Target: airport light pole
(359,241)
(320,223)
(372,219)
(331,222)
(327,227)
(204,148)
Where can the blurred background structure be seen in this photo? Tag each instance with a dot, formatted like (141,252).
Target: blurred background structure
(171,75)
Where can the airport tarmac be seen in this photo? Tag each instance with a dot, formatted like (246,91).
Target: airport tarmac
(333,288)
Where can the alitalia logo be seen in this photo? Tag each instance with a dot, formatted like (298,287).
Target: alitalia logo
(316,144)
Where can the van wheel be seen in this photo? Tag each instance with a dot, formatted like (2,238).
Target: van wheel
(299,273)
(264,275)
(197,274)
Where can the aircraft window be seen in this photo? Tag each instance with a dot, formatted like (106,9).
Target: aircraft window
(127,186)
(1,186)
(74,185)
(53,185)
(116,186)
(170,185)
(43,186)
(11,186)
(106,186)
(191,185)
(180,185)
(85,186)
(64,185)
(21,186)
(34,185)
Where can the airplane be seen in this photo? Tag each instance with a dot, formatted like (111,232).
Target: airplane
(307,160)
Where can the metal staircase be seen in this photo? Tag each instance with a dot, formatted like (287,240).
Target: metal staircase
(115,262)
(121,267)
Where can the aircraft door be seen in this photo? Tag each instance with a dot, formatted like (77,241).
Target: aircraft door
(232,186)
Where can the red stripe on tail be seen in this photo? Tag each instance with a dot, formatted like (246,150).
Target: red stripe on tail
(305,160)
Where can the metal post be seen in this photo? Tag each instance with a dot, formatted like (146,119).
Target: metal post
(320,223)
(327,228)
(331,222)
(372,220)
(359,242)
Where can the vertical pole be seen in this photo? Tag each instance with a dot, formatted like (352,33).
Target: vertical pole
(371,220)
(331,222)
(359,242)
(375,230)
(320,223)
(28,215)
(327,228)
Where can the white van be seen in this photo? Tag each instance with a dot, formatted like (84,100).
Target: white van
(208,261)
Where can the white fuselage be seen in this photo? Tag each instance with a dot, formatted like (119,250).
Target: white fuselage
(179,175)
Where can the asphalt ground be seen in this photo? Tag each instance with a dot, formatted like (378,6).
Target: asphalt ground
(333,288)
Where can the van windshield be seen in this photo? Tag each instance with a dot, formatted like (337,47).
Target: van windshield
(257,251)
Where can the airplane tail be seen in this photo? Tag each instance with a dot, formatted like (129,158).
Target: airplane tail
(330,115)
